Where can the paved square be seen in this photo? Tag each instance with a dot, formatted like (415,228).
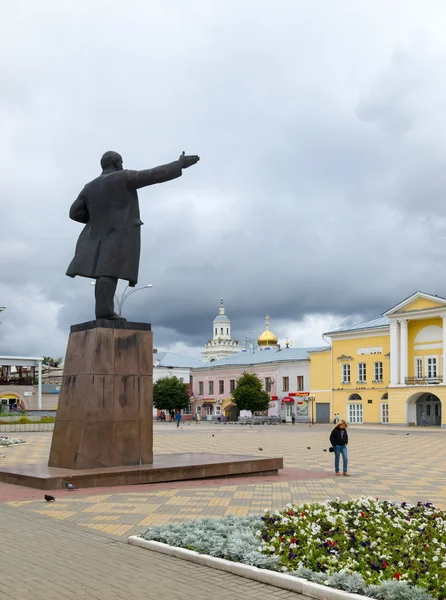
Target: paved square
(393,463)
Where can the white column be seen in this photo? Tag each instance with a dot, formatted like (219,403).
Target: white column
(394,354)
(443,366)
(404,353)
(39,385)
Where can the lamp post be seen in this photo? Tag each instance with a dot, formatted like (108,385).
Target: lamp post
(125,294)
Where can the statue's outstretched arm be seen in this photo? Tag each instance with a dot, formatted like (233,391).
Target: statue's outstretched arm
(139,179)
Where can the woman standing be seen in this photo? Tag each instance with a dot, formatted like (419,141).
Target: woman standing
(339,442)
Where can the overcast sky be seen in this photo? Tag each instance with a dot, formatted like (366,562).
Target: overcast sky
(320,195)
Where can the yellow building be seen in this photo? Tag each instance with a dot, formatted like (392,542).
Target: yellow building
(389,370)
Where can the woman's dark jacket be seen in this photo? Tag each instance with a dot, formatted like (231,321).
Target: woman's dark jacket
(339,437)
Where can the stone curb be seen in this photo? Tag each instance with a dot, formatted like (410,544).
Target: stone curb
(280,580)
(24,427)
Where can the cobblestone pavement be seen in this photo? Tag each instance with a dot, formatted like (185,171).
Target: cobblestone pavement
(395,464)
(76,546)
(41,559)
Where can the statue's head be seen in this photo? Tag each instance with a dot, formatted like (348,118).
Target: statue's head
(111,161)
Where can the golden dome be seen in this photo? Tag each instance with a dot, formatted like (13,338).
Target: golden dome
(267,338)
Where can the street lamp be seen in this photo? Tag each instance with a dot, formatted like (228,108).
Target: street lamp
(125,294)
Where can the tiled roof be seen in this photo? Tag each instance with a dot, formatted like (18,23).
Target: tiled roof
(172,359)
(261,356)
(374,323)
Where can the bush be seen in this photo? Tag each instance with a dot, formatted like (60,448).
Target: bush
(231,538)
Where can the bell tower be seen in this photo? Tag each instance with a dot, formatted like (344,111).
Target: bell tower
(221,344)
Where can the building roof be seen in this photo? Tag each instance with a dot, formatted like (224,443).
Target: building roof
(380,322)
(172,359)
(260,357)
(221,318)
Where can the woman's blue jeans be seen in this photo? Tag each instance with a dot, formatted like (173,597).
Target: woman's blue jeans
(338,451)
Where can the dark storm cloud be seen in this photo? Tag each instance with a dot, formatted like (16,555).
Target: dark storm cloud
(319,195)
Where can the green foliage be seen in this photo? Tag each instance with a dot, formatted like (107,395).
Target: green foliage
(52,362)
(397,549)
(170,393)
(47,420)
(249,394)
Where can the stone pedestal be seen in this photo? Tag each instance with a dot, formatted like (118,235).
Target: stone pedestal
(104,417)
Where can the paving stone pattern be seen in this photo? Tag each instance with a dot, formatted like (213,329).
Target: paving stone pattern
(80,540)
(44,560)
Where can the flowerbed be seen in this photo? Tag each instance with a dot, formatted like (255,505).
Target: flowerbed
(375,548)
(5,441)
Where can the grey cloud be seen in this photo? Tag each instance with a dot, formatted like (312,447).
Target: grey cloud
(320,185)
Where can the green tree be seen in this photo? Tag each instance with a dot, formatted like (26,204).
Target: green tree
(249,394)
(170,393)
(52,362)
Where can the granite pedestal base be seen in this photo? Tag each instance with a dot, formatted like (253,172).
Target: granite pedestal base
(165,467)
(104,415)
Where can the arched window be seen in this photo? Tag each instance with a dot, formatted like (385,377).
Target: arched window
(215,331)
(355,397)
(221,330)
(385,396)
(227,330)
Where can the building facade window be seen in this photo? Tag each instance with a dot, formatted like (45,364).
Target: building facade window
(384,412)
(198,410)
(211,387)
(431,367)
(378,377)
(355,413)
(300,383)
(187,410)
(345,373)
(182,379)
(227,330)
(200,388)
(418,367)
(231,385)
(268,384)
(362,373)
(221,328)
(221,386)
(285,384)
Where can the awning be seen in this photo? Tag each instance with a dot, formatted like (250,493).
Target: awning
(229,406)
(287,399)
(274,397)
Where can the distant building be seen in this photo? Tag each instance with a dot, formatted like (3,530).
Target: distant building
(221,344)
(285,375)
(390,370)
(21,383)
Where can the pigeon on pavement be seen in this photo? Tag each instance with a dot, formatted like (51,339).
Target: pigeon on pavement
(70,487)
(50,498)
(260,448)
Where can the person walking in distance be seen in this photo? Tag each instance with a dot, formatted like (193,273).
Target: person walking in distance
(178,417)
(339,442)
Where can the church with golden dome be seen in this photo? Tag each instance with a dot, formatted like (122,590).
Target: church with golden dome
(267,339)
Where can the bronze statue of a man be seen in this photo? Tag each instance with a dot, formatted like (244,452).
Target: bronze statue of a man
(109,246)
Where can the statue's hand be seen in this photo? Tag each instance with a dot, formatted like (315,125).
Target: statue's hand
(187,161)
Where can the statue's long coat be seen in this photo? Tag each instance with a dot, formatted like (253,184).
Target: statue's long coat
(110,243)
